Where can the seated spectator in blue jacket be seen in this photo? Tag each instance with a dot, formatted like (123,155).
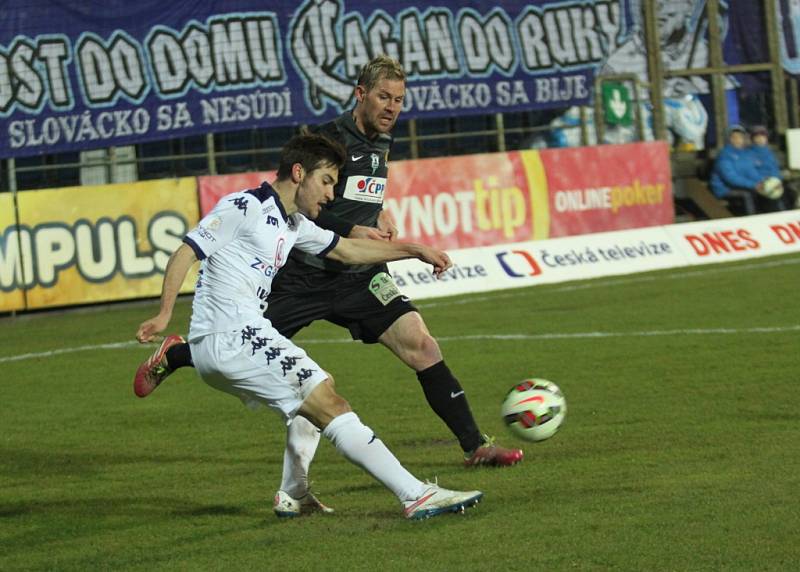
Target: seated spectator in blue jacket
(736,178)
(763,157)
(767,164)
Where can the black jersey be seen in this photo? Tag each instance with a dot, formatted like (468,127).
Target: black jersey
(358,195)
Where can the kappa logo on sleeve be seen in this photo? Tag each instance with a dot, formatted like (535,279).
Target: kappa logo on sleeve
(241,204)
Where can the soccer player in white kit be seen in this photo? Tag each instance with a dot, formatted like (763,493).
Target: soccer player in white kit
(242,243)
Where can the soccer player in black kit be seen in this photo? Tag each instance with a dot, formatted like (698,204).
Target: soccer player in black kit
(363,299)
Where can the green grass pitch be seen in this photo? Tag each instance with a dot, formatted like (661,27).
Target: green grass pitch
(680,450)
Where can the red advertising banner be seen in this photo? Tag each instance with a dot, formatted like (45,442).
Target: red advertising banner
(461,202)
(480,200)
(608,187)
(213,187)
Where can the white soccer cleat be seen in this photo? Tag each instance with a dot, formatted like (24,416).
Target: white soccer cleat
(286,506)
(436,500)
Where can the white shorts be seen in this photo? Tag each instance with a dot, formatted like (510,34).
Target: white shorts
(258,365)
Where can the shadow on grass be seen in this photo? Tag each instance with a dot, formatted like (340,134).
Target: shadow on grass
(137,507)
(104,528)
(427,442)
(215,510)
(33,463)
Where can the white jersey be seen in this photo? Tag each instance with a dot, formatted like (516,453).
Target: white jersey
(242,244)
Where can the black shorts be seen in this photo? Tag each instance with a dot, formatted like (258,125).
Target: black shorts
(366,303)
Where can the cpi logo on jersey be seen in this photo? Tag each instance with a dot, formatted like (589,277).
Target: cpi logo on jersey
(365,189)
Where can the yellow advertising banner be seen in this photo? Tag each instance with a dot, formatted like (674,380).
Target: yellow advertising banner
(12,297)
(105,242)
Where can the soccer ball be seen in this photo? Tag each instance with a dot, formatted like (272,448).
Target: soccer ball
(534,409)
(772,188)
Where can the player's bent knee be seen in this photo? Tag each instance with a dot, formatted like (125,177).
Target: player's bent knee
(332,409)
(425,353)
(324,404)
(429,348)
(334,403)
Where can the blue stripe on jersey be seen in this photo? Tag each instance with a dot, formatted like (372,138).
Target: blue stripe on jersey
(198,252)
(264,192)
(330,247)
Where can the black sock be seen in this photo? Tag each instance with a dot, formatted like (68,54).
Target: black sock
(179,356)
(447,399)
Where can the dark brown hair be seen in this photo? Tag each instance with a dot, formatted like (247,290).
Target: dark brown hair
(312,151)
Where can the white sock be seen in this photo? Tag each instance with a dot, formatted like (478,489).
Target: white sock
(360,446)
(302,438)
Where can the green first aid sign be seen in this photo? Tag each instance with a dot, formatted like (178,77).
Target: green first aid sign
(617,105)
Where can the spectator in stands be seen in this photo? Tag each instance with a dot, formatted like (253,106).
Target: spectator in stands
(736,178)
(767,164)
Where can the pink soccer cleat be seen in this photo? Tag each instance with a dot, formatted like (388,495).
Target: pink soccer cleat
(154,370)
(491,455)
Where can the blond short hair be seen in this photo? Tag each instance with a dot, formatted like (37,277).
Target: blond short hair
(378,68)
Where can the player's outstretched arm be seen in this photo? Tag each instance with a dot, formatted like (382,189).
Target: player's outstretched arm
(360,251)
(177,268)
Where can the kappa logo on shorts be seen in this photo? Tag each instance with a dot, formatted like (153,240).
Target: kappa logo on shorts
(248,333)
(259,343)
(272,353)
(383,288)
(288,363)
(304,374)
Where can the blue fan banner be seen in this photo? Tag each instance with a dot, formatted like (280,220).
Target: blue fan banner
(99,73)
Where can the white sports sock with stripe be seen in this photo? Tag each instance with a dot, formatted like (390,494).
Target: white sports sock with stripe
(360,446)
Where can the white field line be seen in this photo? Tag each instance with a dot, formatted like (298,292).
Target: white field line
(511,337)
(52,353)
(502,294)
